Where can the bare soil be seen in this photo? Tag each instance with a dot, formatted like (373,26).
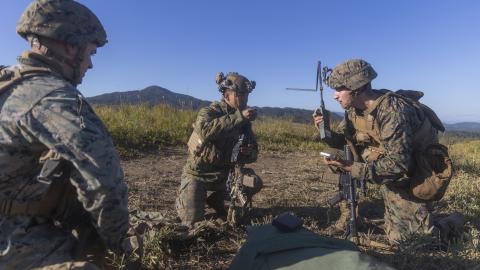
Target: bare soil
(291,184)
(289,180)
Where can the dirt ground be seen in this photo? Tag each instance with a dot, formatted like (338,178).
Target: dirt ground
(291,184)
(290,181)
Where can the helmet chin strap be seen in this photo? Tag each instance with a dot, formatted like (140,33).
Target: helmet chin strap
(78,59)
(74,64)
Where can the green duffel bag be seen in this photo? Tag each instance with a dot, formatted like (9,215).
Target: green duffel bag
(269,248)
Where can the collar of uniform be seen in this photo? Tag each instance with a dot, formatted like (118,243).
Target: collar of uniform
(37,60)
(373,106)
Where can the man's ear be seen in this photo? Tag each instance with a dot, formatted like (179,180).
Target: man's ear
(70,50)
(226,93)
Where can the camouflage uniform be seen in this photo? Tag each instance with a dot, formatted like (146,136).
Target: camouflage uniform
(43,223)
(386,155)
(218,126)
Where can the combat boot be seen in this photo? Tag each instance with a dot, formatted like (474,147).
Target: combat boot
(342,221)
(216,201)
(344,218)
(449,228)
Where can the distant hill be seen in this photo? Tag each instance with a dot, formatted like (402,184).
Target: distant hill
(154,95)
(151,95)
(463,126)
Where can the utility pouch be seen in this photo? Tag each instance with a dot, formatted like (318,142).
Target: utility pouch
(54,167)
(432,173)
(251,182)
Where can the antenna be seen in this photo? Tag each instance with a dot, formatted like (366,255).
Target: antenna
(321,76)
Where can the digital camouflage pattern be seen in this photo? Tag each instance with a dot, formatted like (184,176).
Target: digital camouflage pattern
(235,82)
(62,20)
(39,114)
(218,126)
(397,120)
(351,74)
(192,196)
(404,216)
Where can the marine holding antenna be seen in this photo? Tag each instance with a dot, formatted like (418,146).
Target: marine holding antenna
(324,126)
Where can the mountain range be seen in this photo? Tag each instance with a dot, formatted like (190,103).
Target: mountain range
(154,95)
(463,126)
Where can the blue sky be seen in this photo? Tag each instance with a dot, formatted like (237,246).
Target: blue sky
(433,46)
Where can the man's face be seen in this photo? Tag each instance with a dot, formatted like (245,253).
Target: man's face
(238,100)
(344,96)
(86,63)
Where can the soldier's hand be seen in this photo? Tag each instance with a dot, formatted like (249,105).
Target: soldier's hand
(339,163)
(250,113)
(317,118)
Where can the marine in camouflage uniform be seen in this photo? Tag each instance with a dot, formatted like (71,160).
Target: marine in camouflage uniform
(54,216)
(384,129)
(215,132)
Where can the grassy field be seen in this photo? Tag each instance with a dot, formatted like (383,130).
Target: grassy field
(142,128)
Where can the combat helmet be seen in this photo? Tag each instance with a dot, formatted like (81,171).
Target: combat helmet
(235,82)
(62,20)
(351,74)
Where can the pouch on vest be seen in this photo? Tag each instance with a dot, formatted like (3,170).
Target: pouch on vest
(432,173)
(251,182)
(9,77)
(51,181)
(433,167)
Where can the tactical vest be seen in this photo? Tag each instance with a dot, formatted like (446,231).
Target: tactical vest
(210,160)
(367,131)
(9,77)
(53,165)
(433,168)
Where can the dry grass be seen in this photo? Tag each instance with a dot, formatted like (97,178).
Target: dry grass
(145,127)
(291,169)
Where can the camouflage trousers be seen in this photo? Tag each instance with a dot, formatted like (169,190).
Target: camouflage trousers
(34,243)
(404,215)
(192,196)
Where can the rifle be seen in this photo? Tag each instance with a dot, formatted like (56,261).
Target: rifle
(242,183)
(324,128)
(348,187)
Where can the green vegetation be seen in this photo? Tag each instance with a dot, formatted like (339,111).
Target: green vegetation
(145,127)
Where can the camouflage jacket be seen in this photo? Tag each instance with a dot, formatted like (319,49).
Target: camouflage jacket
(43,113)
(219,126)
(397,121)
